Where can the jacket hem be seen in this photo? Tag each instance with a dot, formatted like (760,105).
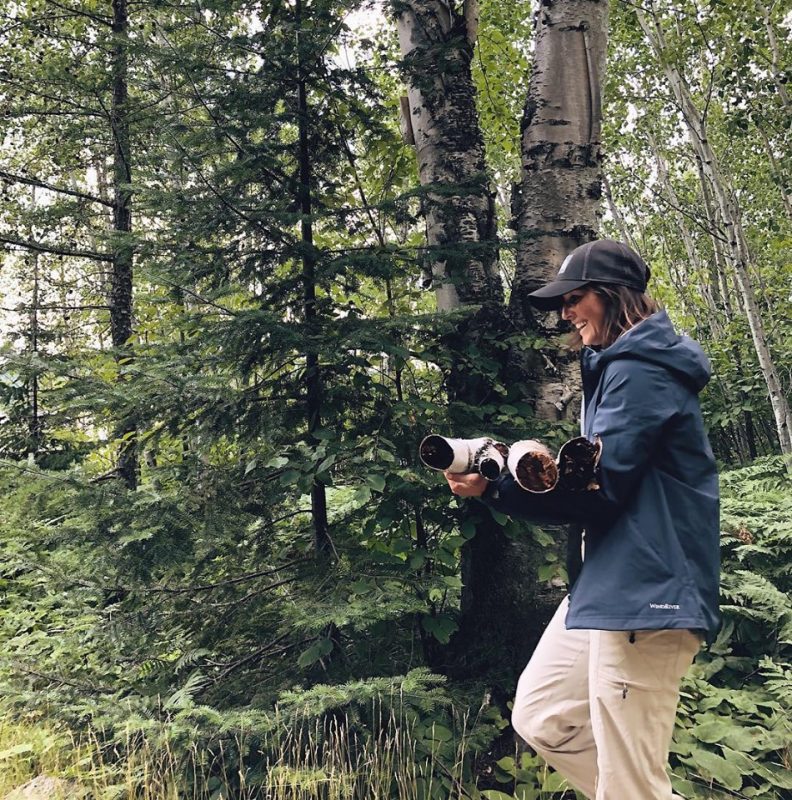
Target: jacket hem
(598,623)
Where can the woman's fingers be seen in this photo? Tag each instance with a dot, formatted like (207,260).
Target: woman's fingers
(466,485)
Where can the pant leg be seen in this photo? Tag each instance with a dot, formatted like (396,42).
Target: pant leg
(551,706)
(634,691)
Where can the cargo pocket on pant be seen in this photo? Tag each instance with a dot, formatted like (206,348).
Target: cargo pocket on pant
(641,660)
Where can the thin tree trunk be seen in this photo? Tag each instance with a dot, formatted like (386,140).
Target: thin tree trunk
(744,437)
(617,215)
(322,542)
(35,421)
(704,287)
(718,271)
(729,208)
(122,251)
(777,72)
(777,172)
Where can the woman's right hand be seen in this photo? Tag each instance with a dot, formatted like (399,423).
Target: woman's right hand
(469,484)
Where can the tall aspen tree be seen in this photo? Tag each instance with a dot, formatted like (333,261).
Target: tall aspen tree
(729,209)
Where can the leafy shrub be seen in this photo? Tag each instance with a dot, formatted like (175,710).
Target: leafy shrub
(734,730)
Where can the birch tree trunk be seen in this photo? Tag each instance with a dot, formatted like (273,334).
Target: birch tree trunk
(625,233)
(731,214)
(503,611)
(34,427)
(705,287)
(437,43)
(498,574)
(558,206)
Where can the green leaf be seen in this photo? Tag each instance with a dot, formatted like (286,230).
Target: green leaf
(362,495)
(440,626)
(317,650)
(440,733)
(525,791)
(711,765)
(16,750)
(377,482)
(417,560)
(713,731)
(507,764)
(501,519)
(288,477)
(327,463)
(554,782)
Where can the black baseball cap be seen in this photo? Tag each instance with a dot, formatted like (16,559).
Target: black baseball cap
(603,261)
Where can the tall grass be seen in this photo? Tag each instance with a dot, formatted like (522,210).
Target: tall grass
(301,762)
(307,760)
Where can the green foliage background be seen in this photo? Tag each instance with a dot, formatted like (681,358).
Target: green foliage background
(193,613)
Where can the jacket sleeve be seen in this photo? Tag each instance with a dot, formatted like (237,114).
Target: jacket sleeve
(638,400)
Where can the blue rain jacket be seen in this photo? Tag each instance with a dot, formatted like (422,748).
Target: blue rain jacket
(652,554)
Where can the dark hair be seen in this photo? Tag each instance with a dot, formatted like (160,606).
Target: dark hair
(624,308)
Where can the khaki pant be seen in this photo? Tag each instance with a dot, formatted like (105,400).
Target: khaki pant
(600,708)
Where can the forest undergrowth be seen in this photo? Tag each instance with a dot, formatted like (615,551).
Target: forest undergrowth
(410,737)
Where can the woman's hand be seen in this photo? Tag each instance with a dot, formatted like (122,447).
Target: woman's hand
(469,484)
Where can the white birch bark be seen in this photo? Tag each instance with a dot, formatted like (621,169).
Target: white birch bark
(704,287)
(777,69)
(559,202)
(618,217)
(458,203)
(730,212)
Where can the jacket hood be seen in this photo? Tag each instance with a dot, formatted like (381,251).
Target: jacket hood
(655,340)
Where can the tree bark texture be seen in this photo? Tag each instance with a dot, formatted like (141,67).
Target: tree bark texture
(503,610)
(437,43)
(122,251)
(322,543)
(34,427)
(557,207)
(729,209)
(498,605)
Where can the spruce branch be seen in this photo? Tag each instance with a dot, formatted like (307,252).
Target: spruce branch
(30,180)
(40,247)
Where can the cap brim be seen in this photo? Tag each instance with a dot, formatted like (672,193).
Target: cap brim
(548,298)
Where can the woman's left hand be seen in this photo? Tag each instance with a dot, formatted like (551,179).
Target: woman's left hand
(469,484)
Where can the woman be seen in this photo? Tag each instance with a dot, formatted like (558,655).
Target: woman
(598,698)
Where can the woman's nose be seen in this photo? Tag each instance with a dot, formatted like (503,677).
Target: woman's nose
(564,311)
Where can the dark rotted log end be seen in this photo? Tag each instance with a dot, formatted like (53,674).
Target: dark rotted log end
(489,468)
(577,464)
(537,472)
(436,453)
(502,448)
